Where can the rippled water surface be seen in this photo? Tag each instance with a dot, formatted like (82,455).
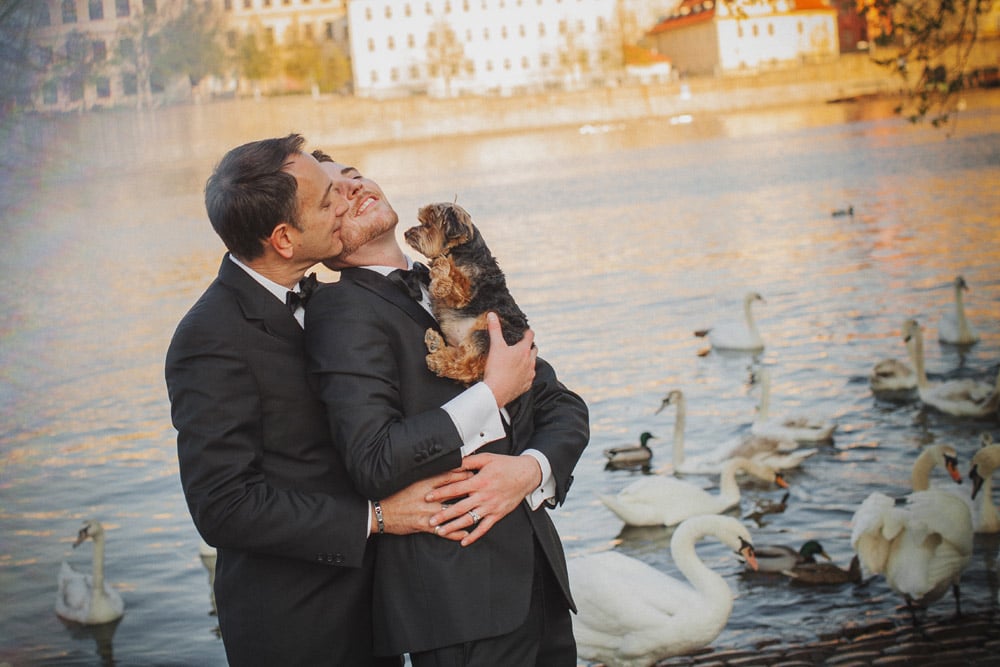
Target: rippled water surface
(619,241)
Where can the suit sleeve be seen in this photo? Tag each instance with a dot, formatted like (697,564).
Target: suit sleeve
(217,406)
(559,428)
(367,364)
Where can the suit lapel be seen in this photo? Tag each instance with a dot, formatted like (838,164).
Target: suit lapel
(258,304)
(377,283)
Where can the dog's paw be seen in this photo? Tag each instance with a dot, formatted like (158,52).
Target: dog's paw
(433,340)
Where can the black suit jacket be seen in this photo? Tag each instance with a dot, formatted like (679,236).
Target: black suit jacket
(365,341)
(265,485)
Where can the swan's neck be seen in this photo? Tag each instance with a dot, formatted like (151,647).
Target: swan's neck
(765,396)
(728,488)
(987,510)
(917,352)
(964,332)
(98,566)
(706,581)
(921,476)
(748,313)
(679,424)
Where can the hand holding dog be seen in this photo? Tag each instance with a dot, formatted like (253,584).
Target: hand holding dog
(510,369)
(500,484)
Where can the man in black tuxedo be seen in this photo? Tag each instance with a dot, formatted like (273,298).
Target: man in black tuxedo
(501,596)
(261,477)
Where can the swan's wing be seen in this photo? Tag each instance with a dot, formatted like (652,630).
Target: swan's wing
(870,536)
(656,500)
(73,597)
(784,461)
(939,512)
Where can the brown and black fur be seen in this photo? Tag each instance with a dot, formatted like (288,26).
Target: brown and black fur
(466,283)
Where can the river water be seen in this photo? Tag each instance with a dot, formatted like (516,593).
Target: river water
(618,240)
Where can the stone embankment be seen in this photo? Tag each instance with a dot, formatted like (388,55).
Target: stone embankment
(971,641)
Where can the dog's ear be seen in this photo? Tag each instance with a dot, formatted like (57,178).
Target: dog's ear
(457,225)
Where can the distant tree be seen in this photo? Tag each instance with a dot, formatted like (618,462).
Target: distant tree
(445,54)
(22,63)
(928,45)
(302,59)
(76,67)
(335,71)
(253,62)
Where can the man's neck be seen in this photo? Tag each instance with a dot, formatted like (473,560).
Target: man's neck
(285,273)
(371,254)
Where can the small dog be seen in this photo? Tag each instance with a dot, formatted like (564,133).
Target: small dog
(466,284)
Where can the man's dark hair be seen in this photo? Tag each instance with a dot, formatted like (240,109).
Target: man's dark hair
(321,156)
(250,193)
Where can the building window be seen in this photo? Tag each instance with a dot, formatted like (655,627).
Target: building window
(148,6)
(227,5)
(388,11)
(269,35)
(74,86)
(122,8)
(394,74)
(503,32)
(427,9)
(307,31)
(524,62)
(770,29)
(411,41)
(126,48)
(391,43)
(45,56)
(371,45)
(43,15)
(247,4)
(522,31)
(414,72)
(103,87)
(541,30)
(407,12)
(800,28)
(368,13)
(486,34)
(328,30)
(374,76)
(756,30)
(69,11)
(96,10)
(100,50)
(231,39)
(129,84)
(267,3)
(546,60)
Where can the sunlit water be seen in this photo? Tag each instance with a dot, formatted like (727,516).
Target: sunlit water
(618,243)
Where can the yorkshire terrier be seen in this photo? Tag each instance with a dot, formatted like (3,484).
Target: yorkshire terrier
(466,284)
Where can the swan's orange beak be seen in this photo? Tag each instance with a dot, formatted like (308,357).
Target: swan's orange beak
(951,463)
(779,479)
(748,554)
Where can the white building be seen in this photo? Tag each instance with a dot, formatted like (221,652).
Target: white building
(716,37)
(451,47)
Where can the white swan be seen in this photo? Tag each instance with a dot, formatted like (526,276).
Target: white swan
(921,547)
(632,615)
(737,335)
(964,397)
(892,377)
(208,555)
(801,428)
(778,452)
(656,500)
(954,327)
(680,463)
(981,468)
(88,598)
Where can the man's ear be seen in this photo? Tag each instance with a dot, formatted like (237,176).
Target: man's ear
(281,239)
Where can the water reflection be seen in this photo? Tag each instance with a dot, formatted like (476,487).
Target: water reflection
(617,244)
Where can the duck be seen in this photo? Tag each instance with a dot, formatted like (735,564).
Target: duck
(767,506)
(801,428)
(657,500)
(954,327)
(630,614)
(839,212)
(631,456)
(921,547)
(964,397)
(981,468)
(892,378)
(773,558)
(87,598)
(825,573)
(737,335)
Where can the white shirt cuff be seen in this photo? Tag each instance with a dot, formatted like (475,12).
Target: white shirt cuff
(547,489)
(474,413)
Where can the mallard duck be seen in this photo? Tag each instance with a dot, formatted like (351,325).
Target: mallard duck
(631,456)
(892,378)
(801,428)
(630,614)
(963,397)
(773,558)
(767,506)
(87,598)
(954,327)
(737,335)
(665,501)
(921,547)
(984,462)
(825,573)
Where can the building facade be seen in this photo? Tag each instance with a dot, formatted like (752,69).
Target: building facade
(714,37)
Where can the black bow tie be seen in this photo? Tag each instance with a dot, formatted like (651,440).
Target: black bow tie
(306,287)
(411,280)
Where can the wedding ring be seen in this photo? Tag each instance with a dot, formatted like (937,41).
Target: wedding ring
(475,517)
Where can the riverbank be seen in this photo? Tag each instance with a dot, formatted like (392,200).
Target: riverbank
(972,641)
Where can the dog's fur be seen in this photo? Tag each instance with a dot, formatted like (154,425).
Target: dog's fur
(466,283)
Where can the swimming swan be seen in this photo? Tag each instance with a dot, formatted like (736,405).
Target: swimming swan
(981,468)
(88,598)
(656,500)
(801,428)
(737,335)
(964,397)
(630,614)
(954,327)
(891,377)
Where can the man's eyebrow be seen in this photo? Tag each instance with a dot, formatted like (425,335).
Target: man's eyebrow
(347,170)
